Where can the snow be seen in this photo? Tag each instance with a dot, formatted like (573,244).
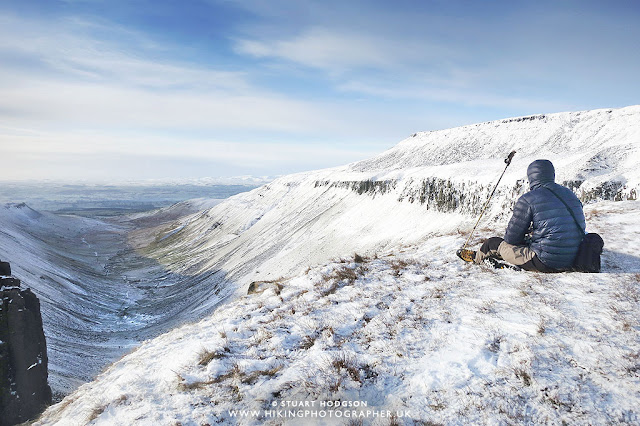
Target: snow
(308,218)
(412,329)
(99,298)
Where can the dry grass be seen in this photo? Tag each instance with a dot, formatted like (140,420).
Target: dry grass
(494,344)
(343,275)
(260,336)
(438,406)
(542,327)
(347,363)
(234,372)
(253,377)
(61,406)
(629,291)
(633,359)
(395,421)
(437,293)
(398,266)
(359,259)
(307,342)
(523,375)
(488,307)
(206,356)
(97,411)
(627,326)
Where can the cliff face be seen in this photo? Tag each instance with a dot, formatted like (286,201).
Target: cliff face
(24,391)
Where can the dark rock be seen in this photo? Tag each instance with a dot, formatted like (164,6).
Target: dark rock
(24,390)
(8,282)
(5,268)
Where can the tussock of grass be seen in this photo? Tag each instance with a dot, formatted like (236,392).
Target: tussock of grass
(307,342)
(343,275)
(542,327)
(359,259)
(97,411)
(254,376)
(523,375)
(206,356)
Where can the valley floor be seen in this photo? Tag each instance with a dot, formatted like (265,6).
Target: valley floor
(413,336)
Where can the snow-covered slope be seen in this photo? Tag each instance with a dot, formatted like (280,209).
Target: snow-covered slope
(584,144)
(99,297)
(432,182)
(414,333)
(424,193)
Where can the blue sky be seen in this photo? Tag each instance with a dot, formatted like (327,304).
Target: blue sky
(119,90)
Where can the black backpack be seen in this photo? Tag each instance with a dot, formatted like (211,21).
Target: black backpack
(590,249)
(588,257)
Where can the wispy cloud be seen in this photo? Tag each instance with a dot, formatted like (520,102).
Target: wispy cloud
(390,67)
(66,79)
(66,94)
(278,83)
(448,93)
(332,49)
(86,81)
(479,55)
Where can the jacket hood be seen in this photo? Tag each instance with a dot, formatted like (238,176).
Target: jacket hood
(540,172)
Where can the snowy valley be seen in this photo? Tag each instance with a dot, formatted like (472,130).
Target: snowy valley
(403,327)
(413,335)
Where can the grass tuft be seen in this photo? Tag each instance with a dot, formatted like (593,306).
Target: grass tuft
(523,375)
(359,259)
(206,356)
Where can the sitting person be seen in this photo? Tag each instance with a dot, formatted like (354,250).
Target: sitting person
(554,237)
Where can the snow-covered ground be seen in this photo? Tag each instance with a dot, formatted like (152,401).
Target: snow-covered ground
(426,333)
(414,333)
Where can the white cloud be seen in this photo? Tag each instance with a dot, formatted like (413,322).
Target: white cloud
(58,104)
(324,48)
(64,51)
(335,49)
(411,70)
(80,87)
(66,79)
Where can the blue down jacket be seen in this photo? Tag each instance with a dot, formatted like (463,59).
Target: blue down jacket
(555,237)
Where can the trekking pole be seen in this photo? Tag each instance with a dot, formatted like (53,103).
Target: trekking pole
(508,161)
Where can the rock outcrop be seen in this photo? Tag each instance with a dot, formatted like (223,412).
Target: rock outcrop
(24,390)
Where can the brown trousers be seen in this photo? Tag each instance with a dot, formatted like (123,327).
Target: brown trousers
(521,256)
